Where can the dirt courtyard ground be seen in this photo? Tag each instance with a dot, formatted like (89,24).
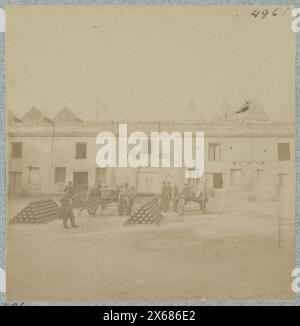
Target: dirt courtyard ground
(227,254)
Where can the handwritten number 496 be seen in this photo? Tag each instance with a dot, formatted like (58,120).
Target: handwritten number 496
(264,13)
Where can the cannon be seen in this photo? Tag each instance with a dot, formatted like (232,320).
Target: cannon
(195,191)
(108,196)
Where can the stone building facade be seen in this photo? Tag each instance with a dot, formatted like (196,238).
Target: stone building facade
(252,156)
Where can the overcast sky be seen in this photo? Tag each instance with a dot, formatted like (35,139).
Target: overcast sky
(148,63)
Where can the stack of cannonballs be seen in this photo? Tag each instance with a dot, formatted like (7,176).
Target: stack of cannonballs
(39,211)
(148,213)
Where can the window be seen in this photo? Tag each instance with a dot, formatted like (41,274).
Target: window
(214,152)
(284,152)
(81,181)
(60,175)
(80,151)
(16,150)
(218,180)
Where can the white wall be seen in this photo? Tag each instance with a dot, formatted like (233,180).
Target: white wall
(247,154)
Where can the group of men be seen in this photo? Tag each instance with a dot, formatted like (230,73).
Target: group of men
(172,198)
(126,199)
(67,203)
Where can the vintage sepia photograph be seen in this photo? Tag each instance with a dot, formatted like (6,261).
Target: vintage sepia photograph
(150,153)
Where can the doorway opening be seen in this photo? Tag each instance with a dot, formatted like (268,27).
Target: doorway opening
(81,181)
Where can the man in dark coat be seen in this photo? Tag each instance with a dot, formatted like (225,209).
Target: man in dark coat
(164,197)
(94,195)
(132,197)
(69,188)
(169,195)
(67,210)
(175,198)
(123,200)
(184,197)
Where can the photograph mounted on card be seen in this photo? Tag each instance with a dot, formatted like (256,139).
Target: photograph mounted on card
(150,152)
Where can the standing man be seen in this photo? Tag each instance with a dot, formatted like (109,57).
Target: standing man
(123,200)
(67,209)
(164,196)
(175,198)
(184,197)
(203,197)
(169,195)
(69,188)
(132,196)
(94,195)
